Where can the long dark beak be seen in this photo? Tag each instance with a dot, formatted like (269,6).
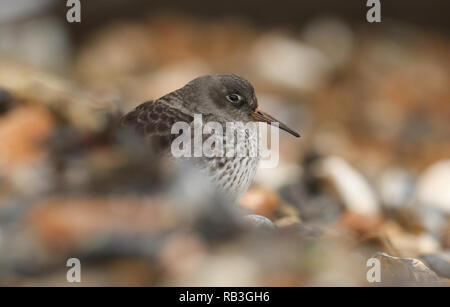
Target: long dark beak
(261,116)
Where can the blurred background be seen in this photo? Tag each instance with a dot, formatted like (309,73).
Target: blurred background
(370,176)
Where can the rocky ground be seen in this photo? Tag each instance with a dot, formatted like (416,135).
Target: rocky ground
(368,179)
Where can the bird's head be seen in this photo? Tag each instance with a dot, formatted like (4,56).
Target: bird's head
(230,97)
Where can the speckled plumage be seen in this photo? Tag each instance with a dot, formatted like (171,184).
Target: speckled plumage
(210,97)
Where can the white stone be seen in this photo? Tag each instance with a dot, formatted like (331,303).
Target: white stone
(433,187)
(41,42)
(11,10)
(350,185)
(279,176)
(333,37)
(395,188)
(290,63)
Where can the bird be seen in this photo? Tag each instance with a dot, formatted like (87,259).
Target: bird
(220,98)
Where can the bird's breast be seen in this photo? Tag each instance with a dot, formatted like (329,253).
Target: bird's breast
(234,174)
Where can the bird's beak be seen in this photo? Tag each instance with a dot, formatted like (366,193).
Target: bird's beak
(261,116)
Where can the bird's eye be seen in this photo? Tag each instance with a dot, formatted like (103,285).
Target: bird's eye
(234,98)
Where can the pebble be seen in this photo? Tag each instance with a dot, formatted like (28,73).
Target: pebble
(222,270)
(260,201)
(439,262)
(396,188)
(22,132)
(331,36)
(68,223)
(259,222)
(432,220)
(289,63)
(287,221)
(40,41)
(405,272)
(409,243)
(11,10)
(352,188)
(182,253)
(433,187)
(360,223)
(285,173)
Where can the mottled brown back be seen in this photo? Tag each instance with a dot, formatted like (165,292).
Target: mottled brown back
(153,120)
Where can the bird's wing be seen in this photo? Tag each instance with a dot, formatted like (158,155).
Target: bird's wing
(154,120)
